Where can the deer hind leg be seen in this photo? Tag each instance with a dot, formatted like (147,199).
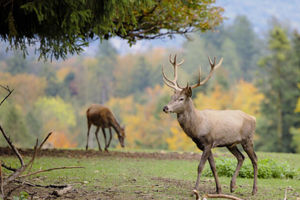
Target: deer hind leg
(205,154)
(96,134)
(104,135)
(214,171)
(110,137)
(88,134)
(248,147)
(240,158)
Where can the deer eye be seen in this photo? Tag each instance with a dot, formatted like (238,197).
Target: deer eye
(181,99)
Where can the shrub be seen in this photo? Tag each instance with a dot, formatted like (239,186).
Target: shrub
(267,168)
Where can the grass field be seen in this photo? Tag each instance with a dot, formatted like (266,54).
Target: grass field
(117,177)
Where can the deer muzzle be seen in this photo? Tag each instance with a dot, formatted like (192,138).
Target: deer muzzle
(166,109)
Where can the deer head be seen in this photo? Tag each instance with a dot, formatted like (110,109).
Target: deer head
(121,136)
(181,95)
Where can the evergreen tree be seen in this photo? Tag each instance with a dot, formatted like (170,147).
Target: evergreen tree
(246,41)
(278,82)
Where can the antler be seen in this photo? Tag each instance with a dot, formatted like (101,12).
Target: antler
(213,67)
(172,84)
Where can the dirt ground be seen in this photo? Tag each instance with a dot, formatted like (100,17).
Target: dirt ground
(93,153)
(77,192)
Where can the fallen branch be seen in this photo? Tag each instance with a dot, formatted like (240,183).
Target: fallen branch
(224,196)
(38,185)
(50,169)
(61,192)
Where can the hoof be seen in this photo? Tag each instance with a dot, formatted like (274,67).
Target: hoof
(106,150)
(254,191)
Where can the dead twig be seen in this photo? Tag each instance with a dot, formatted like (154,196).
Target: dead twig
(19,171)
(46,138)
(9,93)
(8,167)
(224,196)
(50,169)
(15,150)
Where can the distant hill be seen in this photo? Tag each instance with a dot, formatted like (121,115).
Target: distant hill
(260,12)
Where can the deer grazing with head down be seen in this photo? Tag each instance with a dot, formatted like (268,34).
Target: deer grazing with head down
(102,117)
(212,128)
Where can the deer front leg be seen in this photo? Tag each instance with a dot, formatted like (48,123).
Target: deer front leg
(206,153)
(214,171)
(88,134)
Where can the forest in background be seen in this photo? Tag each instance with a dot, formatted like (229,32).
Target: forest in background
(259,75)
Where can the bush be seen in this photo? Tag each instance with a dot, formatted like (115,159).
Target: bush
(267,168)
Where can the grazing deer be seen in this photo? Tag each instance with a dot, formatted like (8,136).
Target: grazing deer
(212,128)
(102,117)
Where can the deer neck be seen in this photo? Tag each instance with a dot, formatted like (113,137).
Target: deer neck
(188,119)
(116,127)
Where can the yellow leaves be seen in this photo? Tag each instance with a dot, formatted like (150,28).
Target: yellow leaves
(217,99)
(298,103)
(90,62)
(62,73)
(27,87)
(55,109)
(245,96)
(179,141)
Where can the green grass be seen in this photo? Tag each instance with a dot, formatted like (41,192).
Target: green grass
(128,178)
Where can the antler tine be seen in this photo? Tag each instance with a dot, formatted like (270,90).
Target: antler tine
(213,67)
(182,61)
(173,84)
(165,77)
(199,80)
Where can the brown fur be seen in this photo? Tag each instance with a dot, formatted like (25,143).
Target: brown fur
(212,128)
(215,128)
(102,117)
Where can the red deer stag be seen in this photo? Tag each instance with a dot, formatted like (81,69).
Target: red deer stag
(102,117)
(212,128)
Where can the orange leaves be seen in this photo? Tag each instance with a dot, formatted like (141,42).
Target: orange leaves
(61,140)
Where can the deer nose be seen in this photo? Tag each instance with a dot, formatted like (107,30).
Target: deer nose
(165,109)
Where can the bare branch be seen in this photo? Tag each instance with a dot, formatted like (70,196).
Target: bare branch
(15,150)
(8,167)
(50,169)
(9,93)
(46,138)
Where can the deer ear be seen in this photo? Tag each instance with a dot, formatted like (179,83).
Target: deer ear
(188,91)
